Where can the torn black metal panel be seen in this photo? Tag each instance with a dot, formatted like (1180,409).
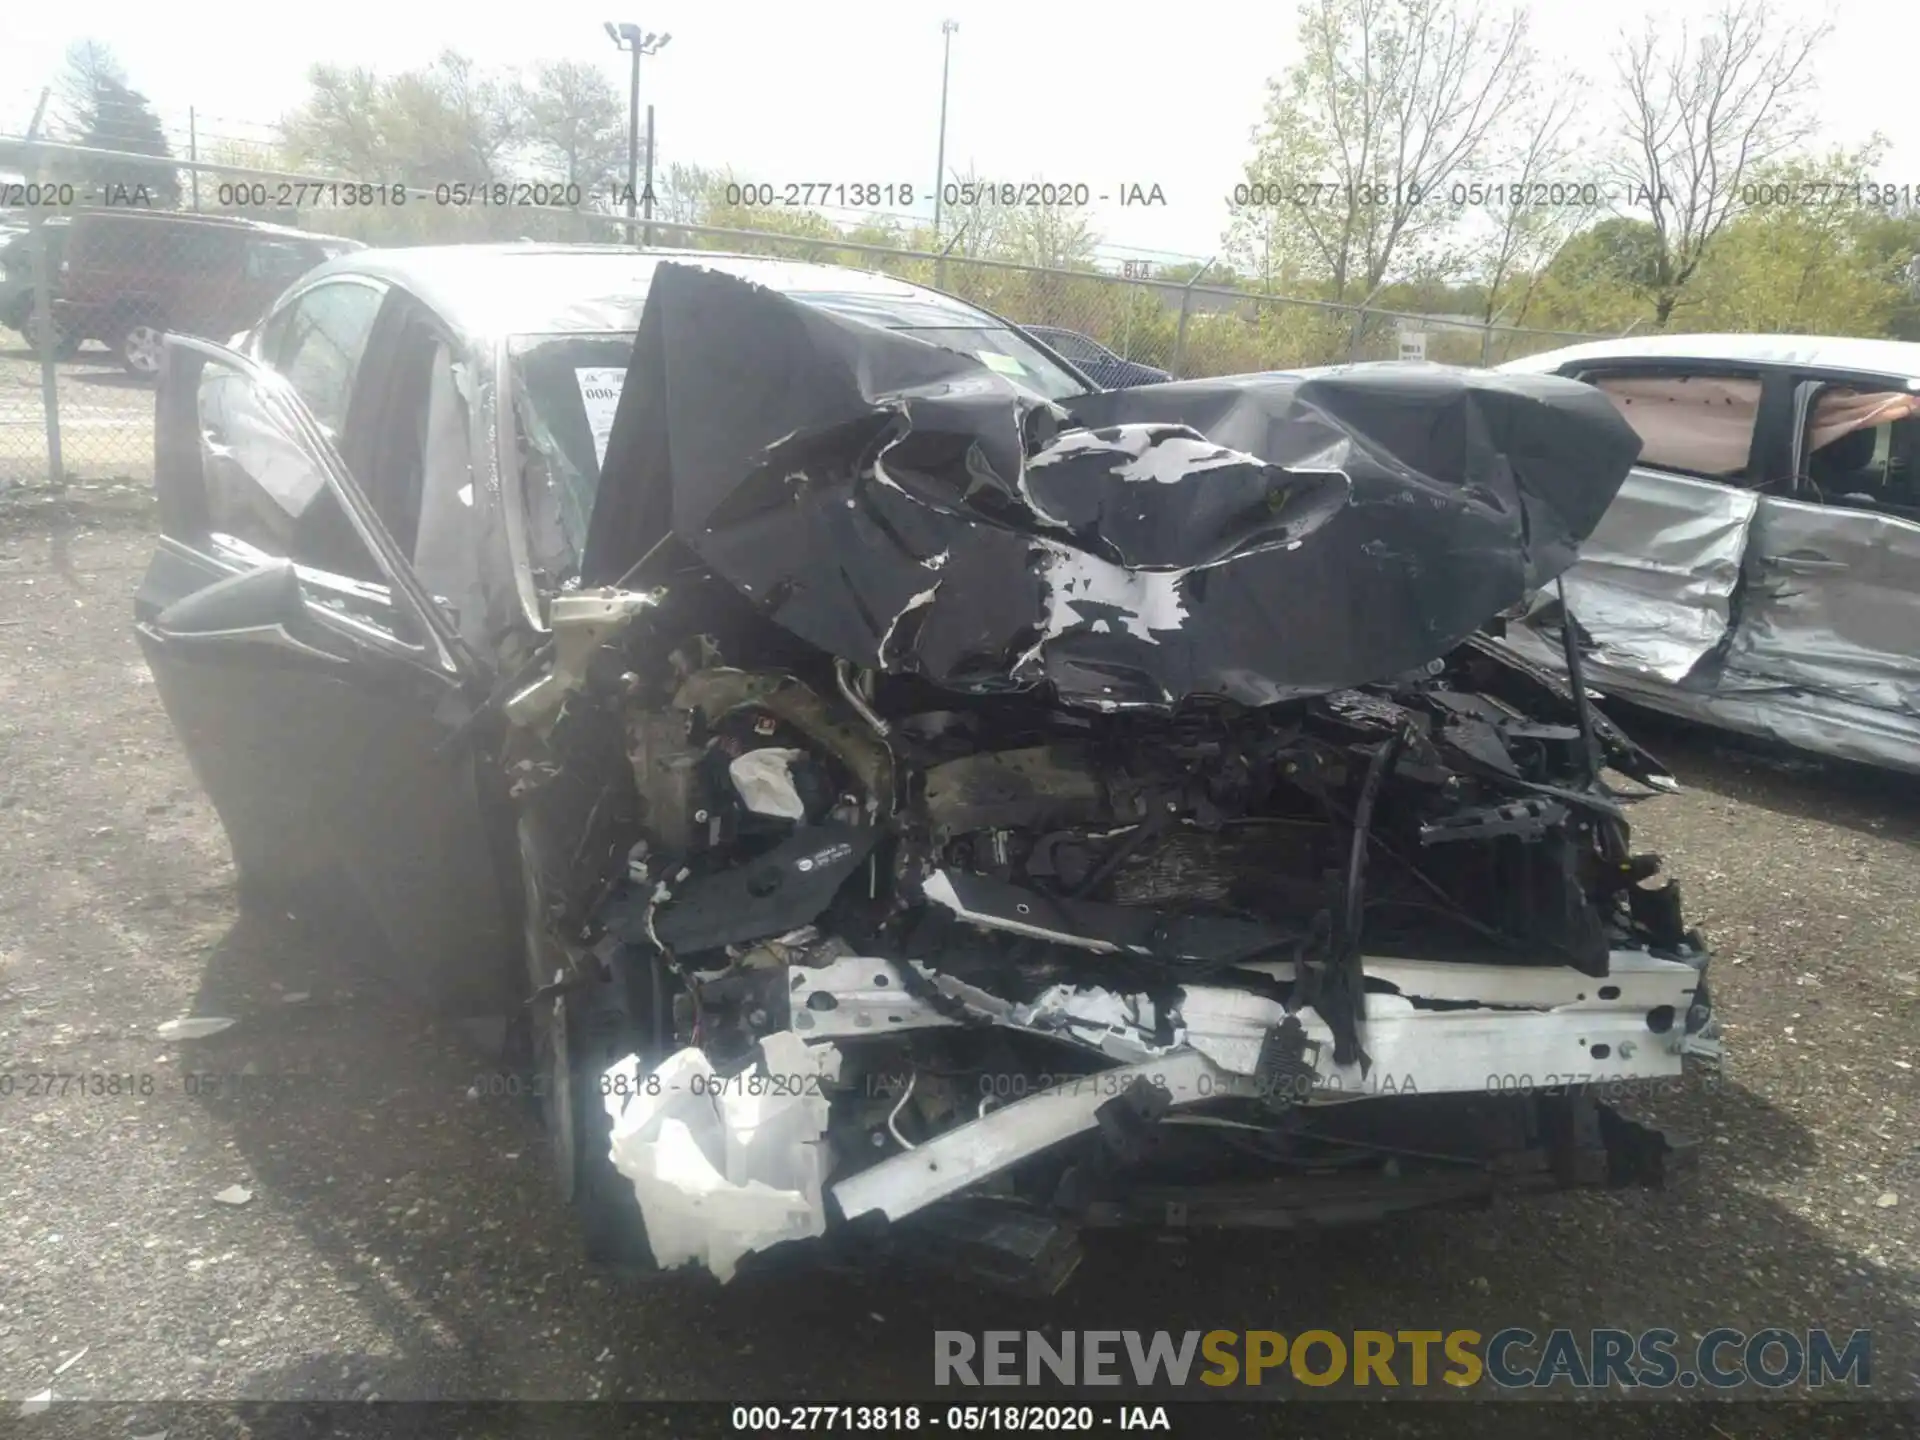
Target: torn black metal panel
(782,890)
(1261,538)
(1499,670)
(1539,461)
(1164,497)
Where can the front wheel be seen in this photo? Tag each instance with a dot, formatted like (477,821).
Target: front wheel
(576,1034)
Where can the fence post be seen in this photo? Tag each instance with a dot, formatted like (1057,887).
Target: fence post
(1486,345)
(43,317)
(1186,305)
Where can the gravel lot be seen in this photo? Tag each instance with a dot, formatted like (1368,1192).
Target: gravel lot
(106,417)
(399,1241)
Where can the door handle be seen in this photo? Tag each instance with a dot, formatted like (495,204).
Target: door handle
(1806,564)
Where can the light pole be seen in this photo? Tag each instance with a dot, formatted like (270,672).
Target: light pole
(631,38)
(947,27)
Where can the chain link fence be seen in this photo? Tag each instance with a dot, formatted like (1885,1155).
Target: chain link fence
(133,245)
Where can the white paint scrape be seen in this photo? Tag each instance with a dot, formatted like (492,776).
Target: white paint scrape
(1148,600)
(719,1170)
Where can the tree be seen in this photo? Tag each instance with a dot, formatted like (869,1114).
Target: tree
(975,224)
(1797,268)
(1541,195)
(109,114)
(1699,116)
(682,192)
(444,123)
(577,124)
(1050,237)
(1389,103)
(89,63)
(1600,279)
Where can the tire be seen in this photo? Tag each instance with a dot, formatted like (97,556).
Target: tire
(66,343)
(140,347)
(574,1036)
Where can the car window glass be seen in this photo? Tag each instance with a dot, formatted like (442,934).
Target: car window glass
(264,486)
(386,446)
(564,391)
(1862,448)
(446,552)
(319,344)
(1696,424)
(1070,345)
(279,262)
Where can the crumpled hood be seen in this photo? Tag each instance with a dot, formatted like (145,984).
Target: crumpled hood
(1259,537)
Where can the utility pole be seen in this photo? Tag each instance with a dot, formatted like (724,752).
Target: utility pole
(646,194)
(632,38)
(947,27)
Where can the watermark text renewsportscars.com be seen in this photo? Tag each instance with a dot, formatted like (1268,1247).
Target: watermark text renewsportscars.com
(1507,1359)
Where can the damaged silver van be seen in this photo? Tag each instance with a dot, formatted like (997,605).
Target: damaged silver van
(920,804)
(1760,569)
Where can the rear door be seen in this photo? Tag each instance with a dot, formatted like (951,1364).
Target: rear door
(1654,586)
(1832,596)
(317,689)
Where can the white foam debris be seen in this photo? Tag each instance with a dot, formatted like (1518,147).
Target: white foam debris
(764,779)
(719,1170)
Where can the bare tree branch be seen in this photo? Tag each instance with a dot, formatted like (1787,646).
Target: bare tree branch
(1697,116)
(1389,101)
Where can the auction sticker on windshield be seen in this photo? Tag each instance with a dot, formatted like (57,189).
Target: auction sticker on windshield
(600,393)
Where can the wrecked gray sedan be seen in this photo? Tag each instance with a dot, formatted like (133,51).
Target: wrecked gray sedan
(919,804)
(1760,569)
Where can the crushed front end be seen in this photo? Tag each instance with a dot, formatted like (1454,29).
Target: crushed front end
(981,820)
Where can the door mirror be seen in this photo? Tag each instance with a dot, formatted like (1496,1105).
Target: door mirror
(264,606)
(268,595)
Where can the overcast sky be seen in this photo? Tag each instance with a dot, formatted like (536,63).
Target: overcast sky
(850,91)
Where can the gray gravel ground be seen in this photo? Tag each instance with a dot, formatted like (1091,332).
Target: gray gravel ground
(106,416)
(399,1241)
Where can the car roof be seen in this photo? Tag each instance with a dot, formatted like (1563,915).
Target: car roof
(136,215)
(528,288)
(1823,352)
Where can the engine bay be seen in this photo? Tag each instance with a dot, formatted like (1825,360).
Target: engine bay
(935,906)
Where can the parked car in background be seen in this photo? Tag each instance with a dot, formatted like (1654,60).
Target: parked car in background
(1096,361)
(1760,568)
(885,775)
(128,276)
(17,288)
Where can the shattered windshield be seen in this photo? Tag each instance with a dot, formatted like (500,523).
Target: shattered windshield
(567,387)
(565,390)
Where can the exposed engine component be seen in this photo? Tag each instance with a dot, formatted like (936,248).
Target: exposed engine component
(1109,801)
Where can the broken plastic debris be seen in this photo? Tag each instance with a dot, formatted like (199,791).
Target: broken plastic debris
(294,997)
(764,779)
(719,1175)
(34,1404)
(71,1360)
(234,1195)
(193,1027)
